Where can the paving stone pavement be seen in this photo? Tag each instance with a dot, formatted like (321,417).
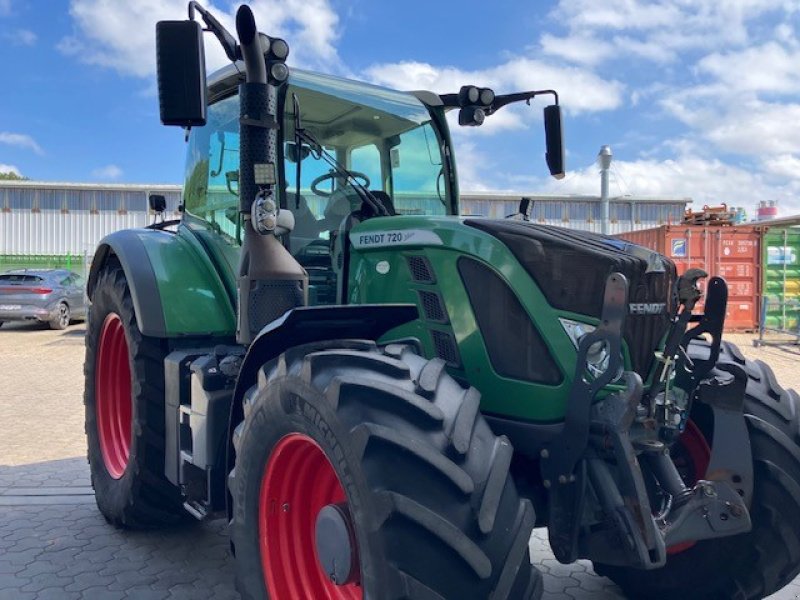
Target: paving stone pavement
(55,544)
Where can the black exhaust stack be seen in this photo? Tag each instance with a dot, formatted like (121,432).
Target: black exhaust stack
(270,280)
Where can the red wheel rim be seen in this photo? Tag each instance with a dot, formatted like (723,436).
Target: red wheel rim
(112,385)
(693,459)
(298,482)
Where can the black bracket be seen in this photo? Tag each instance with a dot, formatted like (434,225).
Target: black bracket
(731,456)
(690,372)
(563,463)
(265,123)
(559,459)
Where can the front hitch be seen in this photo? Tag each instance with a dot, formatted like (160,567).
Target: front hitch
(600,498)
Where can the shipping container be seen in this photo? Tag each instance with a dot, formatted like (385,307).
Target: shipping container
(781,277)
(733,253)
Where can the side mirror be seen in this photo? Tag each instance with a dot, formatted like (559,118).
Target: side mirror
(158,203)
(554,138)
(181,63)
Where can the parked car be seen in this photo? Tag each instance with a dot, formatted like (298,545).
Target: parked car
(53,296)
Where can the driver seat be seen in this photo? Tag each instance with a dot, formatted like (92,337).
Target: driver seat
(384,200)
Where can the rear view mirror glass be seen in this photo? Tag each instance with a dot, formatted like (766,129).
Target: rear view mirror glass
(158,203)
(554,138)
(180,59)
(292,155)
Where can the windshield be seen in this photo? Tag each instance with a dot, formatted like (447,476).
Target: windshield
(387,138)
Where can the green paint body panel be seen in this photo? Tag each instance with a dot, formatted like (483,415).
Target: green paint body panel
(448,239)
(781,269)
(194,297)
(195,269)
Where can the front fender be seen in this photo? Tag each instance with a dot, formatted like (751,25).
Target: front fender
(176,290)
(312,324)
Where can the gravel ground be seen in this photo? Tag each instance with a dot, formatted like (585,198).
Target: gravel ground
(53,542)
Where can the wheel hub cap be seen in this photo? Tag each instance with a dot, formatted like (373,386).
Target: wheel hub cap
(301,495)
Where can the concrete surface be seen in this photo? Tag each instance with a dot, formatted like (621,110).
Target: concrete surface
(55,544)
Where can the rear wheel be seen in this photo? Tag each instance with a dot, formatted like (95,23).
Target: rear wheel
(61,318)
(762,561)
(124,398)
(370,473)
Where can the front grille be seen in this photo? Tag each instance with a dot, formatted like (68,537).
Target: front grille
(570,267)
(515,347)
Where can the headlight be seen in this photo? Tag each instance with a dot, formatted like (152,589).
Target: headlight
(597,356)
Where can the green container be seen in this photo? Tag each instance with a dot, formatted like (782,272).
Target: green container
(781,273)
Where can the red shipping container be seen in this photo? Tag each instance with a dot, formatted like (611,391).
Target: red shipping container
(733,253)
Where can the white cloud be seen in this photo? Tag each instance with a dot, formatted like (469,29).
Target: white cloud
(581,48)
(738,124)
(20,140)
(9,168)
(783,165)
(770,67)
(107,172)
(706,181)
(659,30)
(580,90)
(121,36)
(21,37)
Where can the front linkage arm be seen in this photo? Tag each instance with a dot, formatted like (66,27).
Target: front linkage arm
(563,462)
(597,457)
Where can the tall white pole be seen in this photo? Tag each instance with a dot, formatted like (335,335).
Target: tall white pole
(604,157)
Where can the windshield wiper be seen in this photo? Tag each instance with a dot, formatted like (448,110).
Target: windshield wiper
(317,151)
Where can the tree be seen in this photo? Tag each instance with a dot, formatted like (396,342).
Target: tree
(11,175)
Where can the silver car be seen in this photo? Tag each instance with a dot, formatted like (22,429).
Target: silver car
(53,296)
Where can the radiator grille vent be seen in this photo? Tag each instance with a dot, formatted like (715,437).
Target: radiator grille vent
(445,347)
(433,307)
(421,270)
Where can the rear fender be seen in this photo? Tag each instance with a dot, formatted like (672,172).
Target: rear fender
(176,290)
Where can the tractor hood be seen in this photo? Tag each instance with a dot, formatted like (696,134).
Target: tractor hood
(571,267)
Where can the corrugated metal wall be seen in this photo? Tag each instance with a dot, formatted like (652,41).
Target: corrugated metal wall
(584,214)
(60,219)
(51,233)
(71,219)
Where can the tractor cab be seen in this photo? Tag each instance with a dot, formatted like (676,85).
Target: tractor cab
(394,145)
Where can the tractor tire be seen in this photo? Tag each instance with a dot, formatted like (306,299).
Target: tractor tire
(431,511)
(758,563)
(124,401)
(62,318)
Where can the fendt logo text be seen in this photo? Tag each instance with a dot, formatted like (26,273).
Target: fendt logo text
(646,308)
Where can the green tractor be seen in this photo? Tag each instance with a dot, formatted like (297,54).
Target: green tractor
(385,398)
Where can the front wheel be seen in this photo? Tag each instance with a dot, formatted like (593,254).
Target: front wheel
(754,564)
(364,472)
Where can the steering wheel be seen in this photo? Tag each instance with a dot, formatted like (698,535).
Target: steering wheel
(335,175)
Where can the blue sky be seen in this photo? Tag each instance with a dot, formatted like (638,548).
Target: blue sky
(697,98)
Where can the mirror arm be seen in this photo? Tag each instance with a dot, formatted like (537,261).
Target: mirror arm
(232,50)
(505,99)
